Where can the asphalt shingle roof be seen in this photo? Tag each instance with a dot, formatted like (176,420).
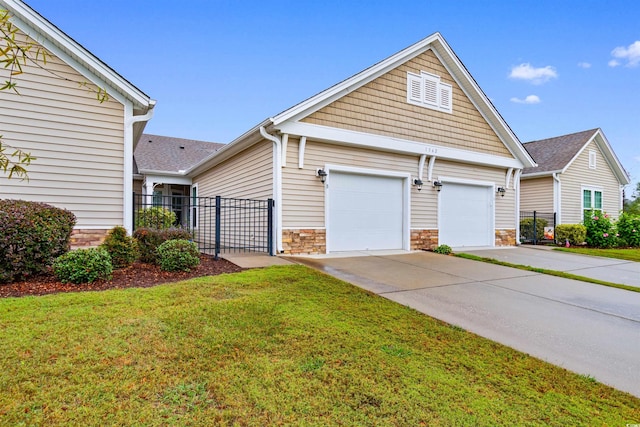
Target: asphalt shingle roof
(168,154)
(553,154)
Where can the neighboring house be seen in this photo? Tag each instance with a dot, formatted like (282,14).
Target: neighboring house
(407,154)
(575,173)
(159,166)
(84,148)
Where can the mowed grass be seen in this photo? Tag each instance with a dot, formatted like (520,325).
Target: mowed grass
(279,346)
(626,254)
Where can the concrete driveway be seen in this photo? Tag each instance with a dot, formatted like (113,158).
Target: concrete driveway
(589,329)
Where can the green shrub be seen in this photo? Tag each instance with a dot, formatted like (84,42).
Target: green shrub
(576,234)
(32,235)
(155,217)
(628,227)
(178,255)
(443,249)
(526,228)
(149,239)
(83,266)
(600,230)
(122,248)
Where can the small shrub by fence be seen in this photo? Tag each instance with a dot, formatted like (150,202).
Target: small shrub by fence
(537,227)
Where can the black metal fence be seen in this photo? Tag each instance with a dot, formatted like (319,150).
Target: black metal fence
(218,225)
(537,227)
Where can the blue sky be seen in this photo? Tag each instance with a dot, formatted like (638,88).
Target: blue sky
(217,68)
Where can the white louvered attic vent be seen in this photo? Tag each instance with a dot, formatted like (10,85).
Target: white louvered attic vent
(426,89)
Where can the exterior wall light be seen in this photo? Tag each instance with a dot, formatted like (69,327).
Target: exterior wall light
(501,191)
(418,183)
(437,185)
(322,174)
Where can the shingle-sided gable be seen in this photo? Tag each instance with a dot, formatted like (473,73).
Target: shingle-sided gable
(380,107)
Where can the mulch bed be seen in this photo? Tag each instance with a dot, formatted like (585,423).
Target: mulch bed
(139,275)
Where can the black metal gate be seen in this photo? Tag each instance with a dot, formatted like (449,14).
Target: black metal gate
(537,227)
(217,224)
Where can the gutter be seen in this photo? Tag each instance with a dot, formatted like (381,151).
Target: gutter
(277,187)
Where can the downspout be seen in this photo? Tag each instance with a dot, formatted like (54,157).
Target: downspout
(277,190)
(556,197)
(516,187)
(129,121)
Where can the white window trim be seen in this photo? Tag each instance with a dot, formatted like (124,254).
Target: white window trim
(592,159)
(593,198)
(442,93)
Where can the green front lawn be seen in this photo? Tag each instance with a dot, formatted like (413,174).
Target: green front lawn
(277,346)
(626,254)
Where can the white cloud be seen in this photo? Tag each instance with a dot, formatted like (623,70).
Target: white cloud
(531,99)
(631,54)
(534,75)
(584,65)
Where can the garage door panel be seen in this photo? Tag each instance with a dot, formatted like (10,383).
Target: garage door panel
(466,215)
(365,212)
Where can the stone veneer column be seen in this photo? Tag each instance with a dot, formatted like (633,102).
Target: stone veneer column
(87,238)
(505,237)
(424,239)
(304,241)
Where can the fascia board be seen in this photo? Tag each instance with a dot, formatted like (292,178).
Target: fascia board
(539,174)
(613,161)
(53,39)
(243,142)
(394,145)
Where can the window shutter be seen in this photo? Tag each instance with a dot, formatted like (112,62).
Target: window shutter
(414,88)
(446,103)
(431,96)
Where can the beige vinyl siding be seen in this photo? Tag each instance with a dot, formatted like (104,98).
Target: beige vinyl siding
(579,175)
(77,141)
(536,194)
(380,107)
(304,196)
(247,175)
(505,215)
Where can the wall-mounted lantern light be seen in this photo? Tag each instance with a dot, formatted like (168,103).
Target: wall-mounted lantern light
(501,191)
(418,183)
(322,174)
(437,185)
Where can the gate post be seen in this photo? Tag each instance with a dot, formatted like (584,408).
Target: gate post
(270,226)
(555,240)
(535,228)
(218,213)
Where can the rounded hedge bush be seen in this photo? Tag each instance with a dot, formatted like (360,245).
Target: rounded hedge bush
(178,255)
(156,217)
(443,249)
(149,239)
(122,247)
(83,266)
(32,236)
(576,234)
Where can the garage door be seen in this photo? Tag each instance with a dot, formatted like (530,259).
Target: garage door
(365,212)
(466,215)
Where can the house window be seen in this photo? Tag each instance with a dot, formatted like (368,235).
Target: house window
(426,89)
(194,206)
(157,197)
(592,159)
(591,199)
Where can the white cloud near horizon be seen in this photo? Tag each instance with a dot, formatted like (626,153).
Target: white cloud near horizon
(534,75)
(630,54)
(531,99)
(584,65)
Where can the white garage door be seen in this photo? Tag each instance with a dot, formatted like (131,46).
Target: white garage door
(365,212)
(466,215)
